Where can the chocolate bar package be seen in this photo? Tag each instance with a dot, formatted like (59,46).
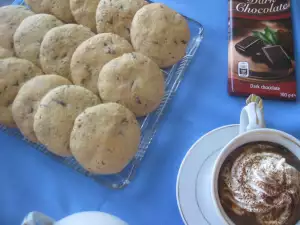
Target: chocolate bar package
(260,49)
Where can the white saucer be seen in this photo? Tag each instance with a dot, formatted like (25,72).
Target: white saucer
(194,177)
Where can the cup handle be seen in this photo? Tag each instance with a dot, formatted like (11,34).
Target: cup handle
(37,218)
(252,116)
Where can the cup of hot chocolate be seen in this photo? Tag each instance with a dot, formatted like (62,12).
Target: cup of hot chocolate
(256,178)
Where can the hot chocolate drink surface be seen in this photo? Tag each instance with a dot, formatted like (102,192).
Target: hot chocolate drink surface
(259,184)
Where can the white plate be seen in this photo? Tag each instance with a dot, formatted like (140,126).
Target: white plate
(194,177)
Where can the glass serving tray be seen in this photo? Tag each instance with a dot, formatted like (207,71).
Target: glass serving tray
(149,124)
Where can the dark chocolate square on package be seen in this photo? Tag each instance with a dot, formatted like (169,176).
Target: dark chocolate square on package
(249,46)
(259,57)
(276,57)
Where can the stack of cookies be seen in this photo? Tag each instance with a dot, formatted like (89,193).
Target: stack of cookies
(78,92)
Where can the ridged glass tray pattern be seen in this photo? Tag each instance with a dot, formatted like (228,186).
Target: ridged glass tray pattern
(149,124)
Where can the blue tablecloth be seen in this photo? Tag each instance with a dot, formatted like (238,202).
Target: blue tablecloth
(32,181)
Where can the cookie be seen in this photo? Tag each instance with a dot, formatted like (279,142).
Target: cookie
(84,12)
(30,34)
(10,18)
(91,55)
(160,33)
(14,73)
(115,16)
(55,115)
(60,9)
(5,53)
(29,96)
(59,45)
(105,138)
(134,81)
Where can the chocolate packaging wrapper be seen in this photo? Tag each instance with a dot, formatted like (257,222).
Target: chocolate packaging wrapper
(260,49)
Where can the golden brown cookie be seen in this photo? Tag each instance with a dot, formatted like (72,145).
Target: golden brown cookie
(28,98)
(115,16)
(59,45)
(10,18)
(14,73)
(105,138)
(84,12)
(160,33)
(58,8)
(30,34)
(134,81)
(92,54)
(55,115)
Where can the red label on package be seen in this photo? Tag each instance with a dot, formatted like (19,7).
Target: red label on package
(260,49)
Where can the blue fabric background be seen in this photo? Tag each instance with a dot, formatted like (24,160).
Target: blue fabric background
(31,181)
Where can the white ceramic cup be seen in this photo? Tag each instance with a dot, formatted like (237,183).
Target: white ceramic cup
(252,129)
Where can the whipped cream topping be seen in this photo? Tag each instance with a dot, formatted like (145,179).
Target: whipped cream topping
(262,183)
